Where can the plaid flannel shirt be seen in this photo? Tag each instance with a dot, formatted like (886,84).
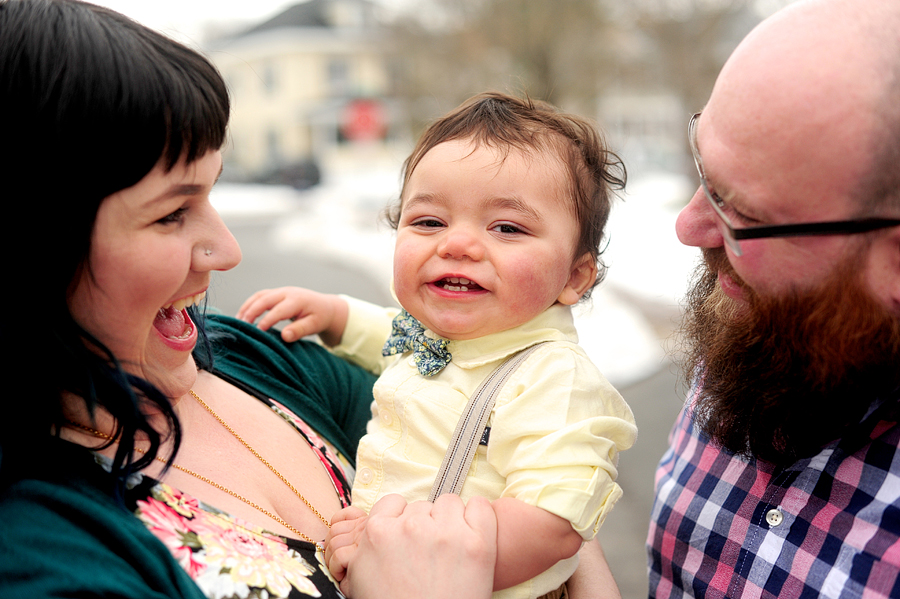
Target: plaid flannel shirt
(827,526)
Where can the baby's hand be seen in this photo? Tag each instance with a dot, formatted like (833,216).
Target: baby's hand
(342,540)
(311,313)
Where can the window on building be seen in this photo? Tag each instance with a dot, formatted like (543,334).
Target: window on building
(270,78)
(338,76)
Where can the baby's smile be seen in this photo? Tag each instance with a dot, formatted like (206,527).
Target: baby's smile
(458,284)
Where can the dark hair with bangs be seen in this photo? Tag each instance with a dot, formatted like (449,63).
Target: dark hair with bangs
(90,102)
(504,122)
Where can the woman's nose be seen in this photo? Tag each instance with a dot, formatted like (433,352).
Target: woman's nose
(460,242)
(697,224)
(218,250)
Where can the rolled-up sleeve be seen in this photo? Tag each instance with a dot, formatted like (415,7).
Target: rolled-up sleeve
(557,430)
(368,327)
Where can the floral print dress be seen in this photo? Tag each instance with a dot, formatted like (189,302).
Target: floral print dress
(229,557)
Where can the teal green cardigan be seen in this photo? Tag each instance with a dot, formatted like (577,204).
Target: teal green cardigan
(63,535)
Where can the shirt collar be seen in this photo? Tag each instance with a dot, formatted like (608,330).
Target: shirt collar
(556,323)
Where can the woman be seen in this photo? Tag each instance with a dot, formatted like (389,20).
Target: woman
(122,426)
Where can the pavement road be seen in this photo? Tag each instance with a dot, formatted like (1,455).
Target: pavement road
(654,400)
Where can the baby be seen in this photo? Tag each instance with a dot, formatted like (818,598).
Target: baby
(498,229)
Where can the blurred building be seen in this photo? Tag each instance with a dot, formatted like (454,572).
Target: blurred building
(665,68)
(327,84)
(310,87)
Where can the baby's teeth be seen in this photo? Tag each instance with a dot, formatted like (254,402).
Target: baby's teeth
(457,280)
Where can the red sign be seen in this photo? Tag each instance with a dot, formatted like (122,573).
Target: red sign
(363,120)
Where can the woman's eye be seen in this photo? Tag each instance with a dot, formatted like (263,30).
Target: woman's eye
(175,217)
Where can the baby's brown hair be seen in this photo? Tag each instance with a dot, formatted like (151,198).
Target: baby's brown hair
(504,122)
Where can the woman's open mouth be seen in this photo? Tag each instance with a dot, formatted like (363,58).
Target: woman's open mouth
(173,322)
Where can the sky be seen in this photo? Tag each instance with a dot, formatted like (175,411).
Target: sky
(185,20)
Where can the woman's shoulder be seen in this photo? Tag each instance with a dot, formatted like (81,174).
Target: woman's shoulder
(239,346)
(331,395)
(67,532)
(242,350)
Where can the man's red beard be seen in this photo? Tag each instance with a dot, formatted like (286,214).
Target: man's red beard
(781,377)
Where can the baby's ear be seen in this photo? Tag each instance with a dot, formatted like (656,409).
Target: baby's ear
(581,278)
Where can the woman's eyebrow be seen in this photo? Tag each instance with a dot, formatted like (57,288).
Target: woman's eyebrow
(179,190)
(187,189)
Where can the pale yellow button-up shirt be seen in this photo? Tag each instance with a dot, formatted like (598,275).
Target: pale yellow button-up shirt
(556,428)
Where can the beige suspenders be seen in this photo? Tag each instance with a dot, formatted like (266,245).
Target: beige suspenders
(470,428)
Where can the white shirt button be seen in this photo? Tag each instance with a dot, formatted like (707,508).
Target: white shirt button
(365,476)
(774,517)
(386,417)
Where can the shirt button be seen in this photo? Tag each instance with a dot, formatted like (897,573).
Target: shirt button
(365,476)
(386,417)
(774,517)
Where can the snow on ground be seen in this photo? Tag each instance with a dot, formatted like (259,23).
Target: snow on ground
(648,265)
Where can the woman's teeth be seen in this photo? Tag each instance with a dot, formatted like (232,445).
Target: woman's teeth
(186,302)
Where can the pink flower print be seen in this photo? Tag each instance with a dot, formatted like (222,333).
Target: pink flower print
(174,531)
(258,562)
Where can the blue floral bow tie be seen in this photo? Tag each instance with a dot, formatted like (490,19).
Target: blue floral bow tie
(407,334)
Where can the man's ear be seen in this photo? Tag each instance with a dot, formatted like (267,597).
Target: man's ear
(883,266)
(894,274)
(581,278)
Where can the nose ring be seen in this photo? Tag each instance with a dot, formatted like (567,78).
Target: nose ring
(208,252)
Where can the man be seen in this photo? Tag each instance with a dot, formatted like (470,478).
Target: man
(783,475)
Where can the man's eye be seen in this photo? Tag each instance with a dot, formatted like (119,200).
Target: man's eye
(724,206)
(733,215)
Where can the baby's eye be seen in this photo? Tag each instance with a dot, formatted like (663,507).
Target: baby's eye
(506,228)
(428,223)
(175,217)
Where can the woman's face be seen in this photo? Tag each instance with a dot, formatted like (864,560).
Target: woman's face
(152,249)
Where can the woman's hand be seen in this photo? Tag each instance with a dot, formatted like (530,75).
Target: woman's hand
(422,550)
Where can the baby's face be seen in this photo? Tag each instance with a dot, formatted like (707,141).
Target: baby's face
(484,245)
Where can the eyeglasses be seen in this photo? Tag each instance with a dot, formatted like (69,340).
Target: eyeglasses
(733,236)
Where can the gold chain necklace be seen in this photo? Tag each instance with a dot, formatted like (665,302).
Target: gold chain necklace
(208,481)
